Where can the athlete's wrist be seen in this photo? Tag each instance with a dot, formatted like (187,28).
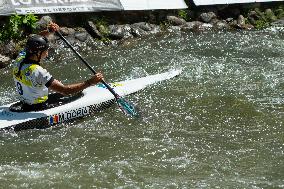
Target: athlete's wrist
(88,83)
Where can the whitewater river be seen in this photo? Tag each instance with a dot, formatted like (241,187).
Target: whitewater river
(218,125)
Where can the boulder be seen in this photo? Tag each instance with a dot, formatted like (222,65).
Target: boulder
(278,23)
(118,32)
(253,17)
(175,20)
(9,49)
(241,20)
(67,31)
(221,25)
(207,17)
(270,16)
(81,36)
(143,25)
(191,26)
(43,22)
(137,31)
(4,61)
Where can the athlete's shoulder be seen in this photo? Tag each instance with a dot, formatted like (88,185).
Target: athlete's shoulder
(21,56)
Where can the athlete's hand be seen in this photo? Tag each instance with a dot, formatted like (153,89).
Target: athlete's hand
(53,27)
(96,78)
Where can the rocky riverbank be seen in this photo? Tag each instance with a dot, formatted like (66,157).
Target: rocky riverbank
(97,30)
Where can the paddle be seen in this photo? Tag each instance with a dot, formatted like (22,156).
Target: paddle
(127,107)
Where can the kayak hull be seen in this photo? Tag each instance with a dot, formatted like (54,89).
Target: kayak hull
(94,99)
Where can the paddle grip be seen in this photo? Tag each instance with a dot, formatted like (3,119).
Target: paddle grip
(87,64)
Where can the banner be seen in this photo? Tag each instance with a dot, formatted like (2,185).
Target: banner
(224,2)
(8,7)
(153,4)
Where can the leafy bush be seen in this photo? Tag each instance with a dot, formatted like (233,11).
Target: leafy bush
(18,26)
(184,14)
(260,24)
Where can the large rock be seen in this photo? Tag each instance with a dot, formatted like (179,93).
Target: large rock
(43,22)
(207,17)
(253,17)
(137,31)
(191,26)
(241,20)
(118,32)
(4,61)
(67,31)
(175,20)
(81,35)
(143,25)
(221,25)
(278,23)
(9,49)
(269,14)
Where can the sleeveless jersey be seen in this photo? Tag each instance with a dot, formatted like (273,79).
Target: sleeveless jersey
(33,81)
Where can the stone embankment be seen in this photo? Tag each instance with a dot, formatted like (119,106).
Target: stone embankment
(103,29)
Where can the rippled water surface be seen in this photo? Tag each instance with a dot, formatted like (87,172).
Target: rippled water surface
(218,125)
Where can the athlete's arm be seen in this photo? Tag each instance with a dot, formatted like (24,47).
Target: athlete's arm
(57,86)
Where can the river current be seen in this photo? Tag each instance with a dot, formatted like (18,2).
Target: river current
(218,125)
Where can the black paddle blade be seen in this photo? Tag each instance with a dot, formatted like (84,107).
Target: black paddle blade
(127,107)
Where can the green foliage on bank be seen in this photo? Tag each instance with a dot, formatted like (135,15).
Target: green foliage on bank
(263,18)
(18,26)
(184,14)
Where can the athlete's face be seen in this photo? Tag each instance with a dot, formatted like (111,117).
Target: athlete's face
(44,54)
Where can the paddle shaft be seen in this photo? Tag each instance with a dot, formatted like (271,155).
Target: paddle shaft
(87,64)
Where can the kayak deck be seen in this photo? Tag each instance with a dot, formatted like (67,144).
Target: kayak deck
(94,99)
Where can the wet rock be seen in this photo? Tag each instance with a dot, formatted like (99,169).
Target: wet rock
(9,49)
(93,30)
(81,36)
(229,20)
(241,20)
(205,26)
(247,27)
(191,26)
(175,20)
(137,31)
(43,23)
(241,24)
(67,31)
(269,14)
(4,61)
(174,28)
(118,32)
(155,29)
(278,23)
(207,17)
(143,25)
(214,21)
(221,25)
(253,16)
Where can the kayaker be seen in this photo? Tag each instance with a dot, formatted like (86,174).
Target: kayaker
(33,81)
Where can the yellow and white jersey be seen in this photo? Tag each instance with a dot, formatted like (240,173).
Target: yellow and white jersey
(33,81)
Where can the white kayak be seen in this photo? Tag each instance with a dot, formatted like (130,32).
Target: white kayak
(92,99)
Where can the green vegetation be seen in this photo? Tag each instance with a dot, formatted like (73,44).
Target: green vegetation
(102,26)
(262,18)
(186,14)
(182,14)
(18,26)
(260,24)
